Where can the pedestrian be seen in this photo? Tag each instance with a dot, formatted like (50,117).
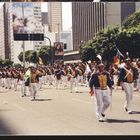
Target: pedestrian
(101,86)
(58,76)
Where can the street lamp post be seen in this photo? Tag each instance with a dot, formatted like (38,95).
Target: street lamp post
(23,45)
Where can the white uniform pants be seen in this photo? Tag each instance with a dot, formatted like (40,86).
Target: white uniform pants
(73,84)
(128,88)
(138,83)
(64,81)
(57,83)
(80,79)
(15,84)
(23,87)
(115,78)
(8,83)
(103,100)
(33,89)
(40,82)
(50,79)
(3,82)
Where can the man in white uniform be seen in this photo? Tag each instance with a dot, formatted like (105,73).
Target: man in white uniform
(101,85)
(127,76)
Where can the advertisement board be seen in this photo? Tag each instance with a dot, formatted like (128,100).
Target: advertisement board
(24,21)
(58,48)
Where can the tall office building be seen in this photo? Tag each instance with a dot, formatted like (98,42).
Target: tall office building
(116,12)
(55,17)
(8,22)
(2,34)
(88,18)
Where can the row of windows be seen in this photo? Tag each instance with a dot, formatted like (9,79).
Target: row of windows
(88,20)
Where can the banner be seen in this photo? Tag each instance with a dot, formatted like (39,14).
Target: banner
(58,48)
(23,18)
(25,22)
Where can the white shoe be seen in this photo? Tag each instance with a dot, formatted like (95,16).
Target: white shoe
(129,112)
(101,120)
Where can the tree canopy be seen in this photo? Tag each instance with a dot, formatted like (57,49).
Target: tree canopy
(125,38)
(32,56)
(132,21)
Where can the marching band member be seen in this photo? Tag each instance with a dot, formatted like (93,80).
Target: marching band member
(127,76)
(14,78)
(64,77)
(114,71)
(34,79)
(138,79)
(8,79)
(80,76)
(57,75)
(39,72)
(22,82)
(100,84)
(72,73)
(3,77)
(49,72)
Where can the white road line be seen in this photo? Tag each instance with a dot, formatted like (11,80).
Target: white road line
(79,100)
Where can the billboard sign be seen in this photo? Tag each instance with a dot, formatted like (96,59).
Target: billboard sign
(24,21)
(58,48)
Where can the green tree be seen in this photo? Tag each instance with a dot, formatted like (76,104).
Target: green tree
(20,57)
(30,56)
(104,43)
(132,20)
(7,62)
(45,54)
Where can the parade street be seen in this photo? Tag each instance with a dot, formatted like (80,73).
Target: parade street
(59,112)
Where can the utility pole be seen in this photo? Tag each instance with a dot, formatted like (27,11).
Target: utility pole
(23,45)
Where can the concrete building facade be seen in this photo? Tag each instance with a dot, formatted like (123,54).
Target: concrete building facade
(55,17)
(2,34)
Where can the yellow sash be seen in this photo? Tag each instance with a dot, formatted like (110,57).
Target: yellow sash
(129,76)
(102,81)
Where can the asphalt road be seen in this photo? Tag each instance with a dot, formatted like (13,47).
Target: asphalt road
(59,112)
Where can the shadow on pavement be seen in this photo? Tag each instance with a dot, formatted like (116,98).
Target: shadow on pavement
(121,121)
(6,110)
(135,112)
(43,99)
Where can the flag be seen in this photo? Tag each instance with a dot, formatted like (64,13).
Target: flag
(116,60)
(119,53)
(117,57)
(40,61)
